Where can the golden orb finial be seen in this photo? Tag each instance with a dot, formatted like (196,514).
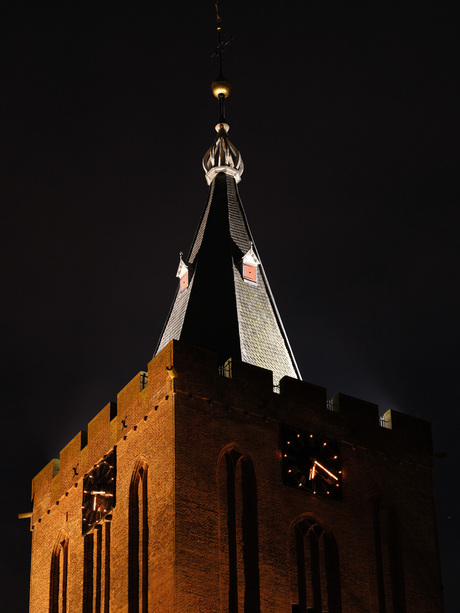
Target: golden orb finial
(221,87)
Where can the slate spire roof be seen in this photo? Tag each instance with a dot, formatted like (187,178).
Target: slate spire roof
(223,301)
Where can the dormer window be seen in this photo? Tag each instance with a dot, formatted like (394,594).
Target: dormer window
(182,273)
(249,272)
(183,283)
(250,263)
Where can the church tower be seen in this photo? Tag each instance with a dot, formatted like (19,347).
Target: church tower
(220,482)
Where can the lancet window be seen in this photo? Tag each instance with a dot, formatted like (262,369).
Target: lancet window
(238,531)
(96,569)
(138,540)
(314,564)
(58,576)
(388,559)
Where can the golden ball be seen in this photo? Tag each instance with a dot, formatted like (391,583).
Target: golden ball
(221,86)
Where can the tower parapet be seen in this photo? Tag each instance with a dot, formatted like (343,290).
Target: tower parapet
(244,389)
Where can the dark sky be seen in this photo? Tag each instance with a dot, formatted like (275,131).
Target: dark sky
(346,115)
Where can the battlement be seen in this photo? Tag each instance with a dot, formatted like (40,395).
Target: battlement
(111,425)
(180,368)
(250,389)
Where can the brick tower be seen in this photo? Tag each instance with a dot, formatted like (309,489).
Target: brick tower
(222,482)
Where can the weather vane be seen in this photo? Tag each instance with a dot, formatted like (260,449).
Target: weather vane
(220,86)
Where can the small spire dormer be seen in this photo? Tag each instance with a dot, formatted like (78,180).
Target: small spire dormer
(182,274)
(250,262)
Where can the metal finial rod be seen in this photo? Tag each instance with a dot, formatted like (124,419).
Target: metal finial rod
(219,36)
(220,86)
(221,108)
(221,43)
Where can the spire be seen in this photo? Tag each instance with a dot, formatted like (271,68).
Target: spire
(223,301)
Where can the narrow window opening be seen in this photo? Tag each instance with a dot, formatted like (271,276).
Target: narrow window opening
(225,370)
(396,564)
(96,570)
(379,557)
(98,531)
(107,568)
(88,573)
(232,539)
(239,532)
(138,541)
(314,564)
(58,577)
(388,559)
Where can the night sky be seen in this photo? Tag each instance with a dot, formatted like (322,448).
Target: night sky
(346,115)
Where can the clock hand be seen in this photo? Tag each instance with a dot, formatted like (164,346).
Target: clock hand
(96,493)
(316,463)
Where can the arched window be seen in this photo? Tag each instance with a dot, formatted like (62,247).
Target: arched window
(138,540)
(239,542)
(314,564)
(58,575)
(96,569)
(388,559)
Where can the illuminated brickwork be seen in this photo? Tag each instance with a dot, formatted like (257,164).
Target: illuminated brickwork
(203,520)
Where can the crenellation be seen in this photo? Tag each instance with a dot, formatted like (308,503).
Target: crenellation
(84,438)
(196,367)
(303,392)
(411,433)
(105,430)
(131,405)
(240,394)
(41,489)
(251,379)
(102,432)
(248,388)
(361,413)
(71,464)
(192,407)
(301,403)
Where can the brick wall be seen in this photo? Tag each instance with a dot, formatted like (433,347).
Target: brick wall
(179,424)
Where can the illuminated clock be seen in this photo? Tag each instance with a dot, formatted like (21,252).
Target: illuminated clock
(311,463)
(99,492)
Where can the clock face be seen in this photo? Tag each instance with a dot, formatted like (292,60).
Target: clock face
(311,463)
(99,492)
